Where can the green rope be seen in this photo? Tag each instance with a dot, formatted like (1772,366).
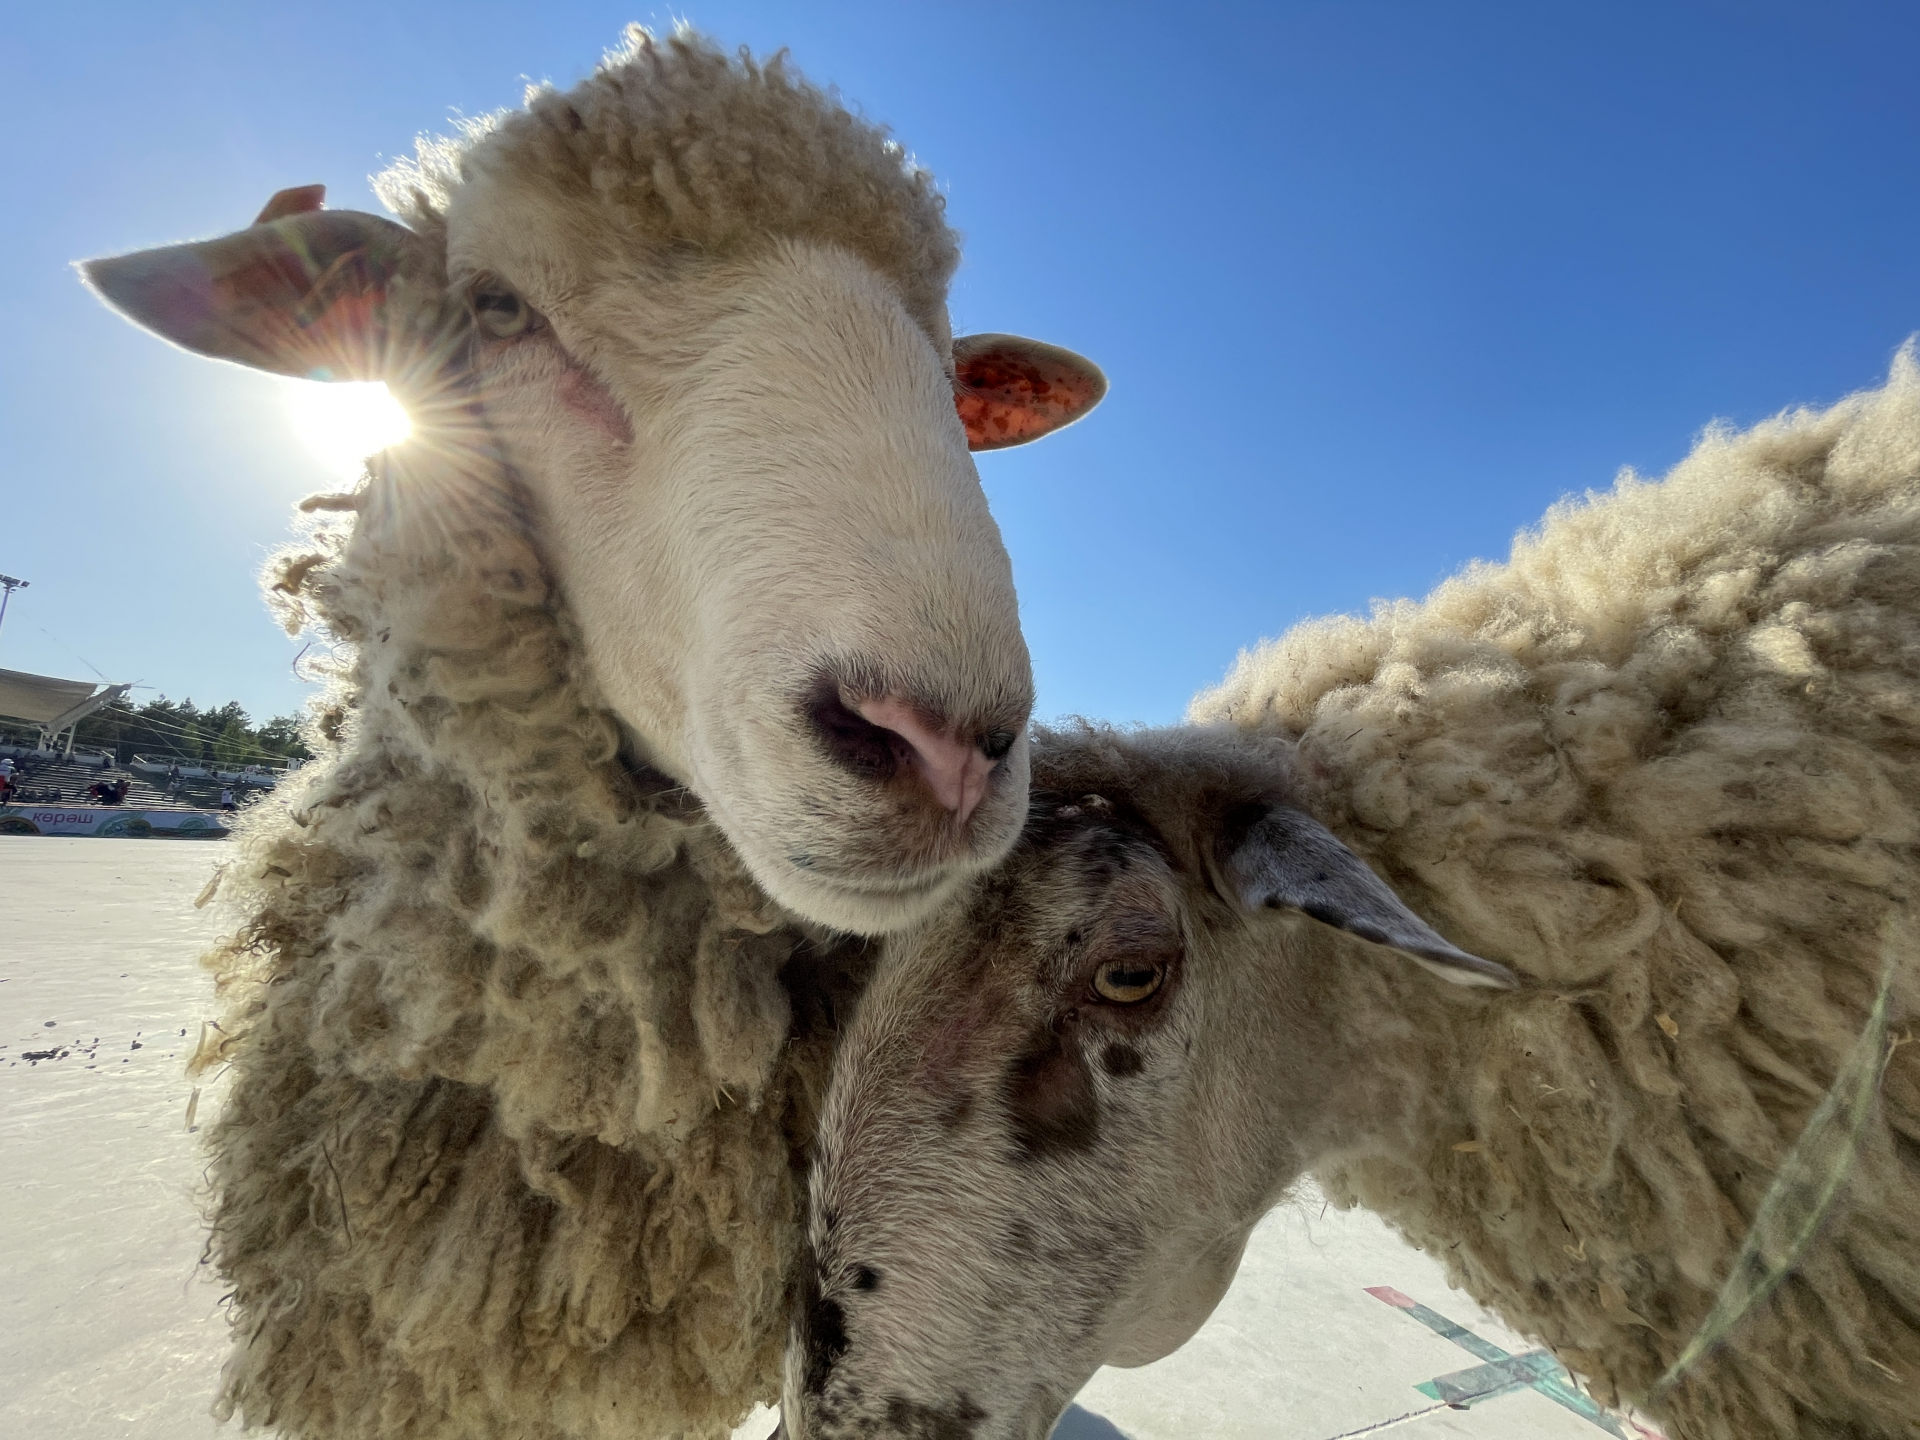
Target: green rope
(1808,1183)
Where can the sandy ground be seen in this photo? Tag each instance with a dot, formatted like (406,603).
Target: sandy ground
(109,1326)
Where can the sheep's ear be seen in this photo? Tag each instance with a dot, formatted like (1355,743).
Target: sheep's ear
(304,292)
(1287,859)
(295,200)
(1010,390)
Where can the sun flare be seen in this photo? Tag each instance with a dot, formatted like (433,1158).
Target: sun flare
(342,424)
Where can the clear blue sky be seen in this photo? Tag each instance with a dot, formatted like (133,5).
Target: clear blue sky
(1374,282)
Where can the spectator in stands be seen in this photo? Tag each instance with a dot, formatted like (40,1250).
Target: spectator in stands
(226,798)
(110,792)
(6,786)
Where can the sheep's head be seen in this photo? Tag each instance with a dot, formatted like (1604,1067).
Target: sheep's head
(1061,1108)
(697,310)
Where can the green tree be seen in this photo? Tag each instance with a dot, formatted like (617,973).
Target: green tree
(164,729)
(233,746)
(281,736)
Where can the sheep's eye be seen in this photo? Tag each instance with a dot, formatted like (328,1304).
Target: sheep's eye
(499,312)
(1128,982)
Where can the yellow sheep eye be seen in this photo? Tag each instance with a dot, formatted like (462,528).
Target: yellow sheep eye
(499,312)
(1128,982)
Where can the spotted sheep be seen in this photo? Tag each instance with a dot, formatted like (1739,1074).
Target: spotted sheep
(1650,793)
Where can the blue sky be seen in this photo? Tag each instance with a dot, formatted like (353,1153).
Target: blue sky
(1374,282)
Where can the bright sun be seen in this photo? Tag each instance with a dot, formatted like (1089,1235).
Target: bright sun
(342,424)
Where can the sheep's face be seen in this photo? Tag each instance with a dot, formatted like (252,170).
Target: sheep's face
(1062,1106)
(752,480)
(757,496)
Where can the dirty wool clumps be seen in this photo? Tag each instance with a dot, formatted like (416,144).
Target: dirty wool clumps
(676,140)
(523,1065)
(1665,762)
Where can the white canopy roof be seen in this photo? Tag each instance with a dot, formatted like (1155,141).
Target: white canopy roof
(40,698)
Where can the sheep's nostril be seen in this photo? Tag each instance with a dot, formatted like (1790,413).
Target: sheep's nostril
(882,737)
(870,751)
(955,770)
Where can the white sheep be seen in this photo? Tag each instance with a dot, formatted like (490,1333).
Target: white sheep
(697,310)
(1662,768)
(683,595)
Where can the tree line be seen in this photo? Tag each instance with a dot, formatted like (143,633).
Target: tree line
(181,730)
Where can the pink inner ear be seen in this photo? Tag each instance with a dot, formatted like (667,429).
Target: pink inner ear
(297,200)
(303,295)
(1008,394)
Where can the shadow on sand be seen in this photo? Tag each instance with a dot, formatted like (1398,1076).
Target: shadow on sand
(1078,1424)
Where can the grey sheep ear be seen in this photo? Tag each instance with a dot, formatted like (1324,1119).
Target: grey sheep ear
(306,292)
(1289,859)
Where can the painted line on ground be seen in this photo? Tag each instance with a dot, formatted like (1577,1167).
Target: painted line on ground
(1503,1373)
(1377,1426)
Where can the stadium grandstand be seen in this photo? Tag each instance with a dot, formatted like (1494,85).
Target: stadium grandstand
(56,706)
(80,760)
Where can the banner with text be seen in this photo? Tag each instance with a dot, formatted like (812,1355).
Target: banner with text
(113,821)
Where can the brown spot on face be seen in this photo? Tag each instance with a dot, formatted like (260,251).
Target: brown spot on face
(948,1053)
(957,1110)
(1049,1095)
(1121,1060)
(822,1327)
(928,1422)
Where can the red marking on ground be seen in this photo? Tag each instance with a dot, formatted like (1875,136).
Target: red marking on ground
(1392,1296)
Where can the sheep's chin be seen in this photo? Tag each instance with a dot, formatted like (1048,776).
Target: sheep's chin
(882,907)
(863,911)
(878,905)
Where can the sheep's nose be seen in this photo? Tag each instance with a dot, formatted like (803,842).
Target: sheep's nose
(955,770)
(882,737)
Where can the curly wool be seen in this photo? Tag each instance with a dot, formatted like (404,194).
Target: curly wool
(1665,761)
(678,142)
(524,1067)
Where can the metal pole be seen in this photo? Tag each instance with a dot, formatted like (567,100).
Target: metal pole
(8,584)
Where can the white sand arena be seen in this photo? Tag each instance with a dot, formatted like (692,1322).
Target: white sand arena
(109,1326)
